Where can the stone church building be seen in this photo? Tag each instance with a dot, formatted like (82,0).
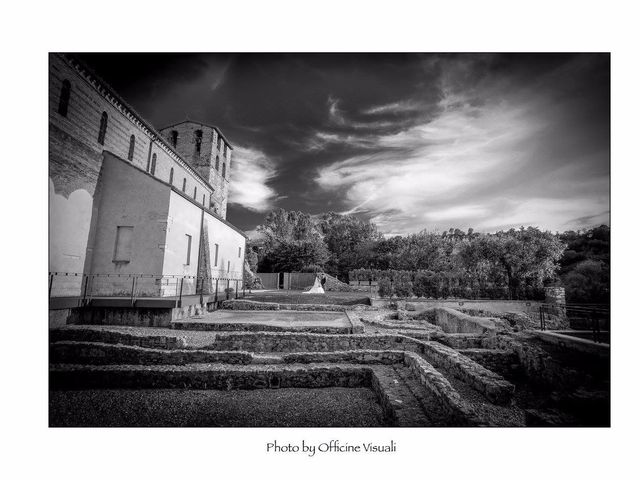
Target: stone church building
(129,203)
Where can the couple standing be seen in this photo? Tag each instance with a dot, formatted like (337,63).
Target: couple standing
(318,285)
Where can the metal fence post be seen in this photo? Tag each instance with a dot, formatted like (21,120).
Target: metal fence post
(133,290)
(180,297)
(84,294)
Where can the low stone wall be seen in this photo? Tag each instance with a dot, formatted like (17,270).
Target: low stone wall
(495,306)
(516,320)
(573,343)
(448,397)
(109,354)
(248,305)
(504,362)
(302,307)
(454,321)
(266,342)
(462,340)
(257,327)
(386,357)
(490,384)
(111,336)
(135,317)
(216,377)
(553,367)
(354,320)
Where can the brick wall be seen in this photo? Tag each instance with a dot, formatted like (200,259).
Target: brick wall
(204,162)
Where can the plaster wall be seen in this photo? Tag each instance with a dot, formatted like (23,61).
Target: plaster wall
(129,197)
(75,162)
(184,219)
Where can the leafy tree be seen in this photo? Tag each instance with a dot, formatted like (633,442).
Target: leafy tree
(349,241)
(588,282)
(297,255)
(525,256)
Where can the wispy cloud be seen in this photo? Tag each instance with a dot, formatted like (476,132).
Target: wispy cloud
(473,165)
(251,173)
(395,107)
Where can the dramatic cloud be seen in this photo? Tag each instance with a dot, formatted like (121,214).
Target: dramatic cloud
(251,172)
(411,141)
(478,162)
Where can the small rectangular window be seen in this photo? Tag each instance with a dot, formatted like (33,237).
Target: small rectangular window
(188,262)
(124,242)
(215,260)
(228,265)
(239,252)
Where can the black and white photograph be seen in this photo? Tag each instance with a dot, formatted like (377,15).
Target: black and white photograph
(329,240)
(295,240)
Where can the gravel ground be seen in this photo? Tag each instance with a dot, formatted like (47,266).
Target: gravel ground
(291,407)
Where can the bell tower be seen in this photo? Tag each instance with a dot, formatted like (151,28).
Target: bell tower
(205,148)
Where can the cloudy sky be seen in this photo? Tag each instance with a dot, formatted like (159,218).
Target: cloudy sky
(410,141)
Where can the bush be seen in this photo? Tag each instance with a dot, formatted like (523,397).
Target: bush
(311,269)
(424,284)
(385,288)
(403,288)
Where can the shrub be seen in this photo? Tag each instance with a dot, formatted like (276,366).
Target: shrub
(424,284)
(385,288)
(403,288)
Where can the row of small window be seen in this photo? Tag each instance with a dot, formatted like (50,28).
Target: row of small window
(124,246)
(197,137)
(63,108)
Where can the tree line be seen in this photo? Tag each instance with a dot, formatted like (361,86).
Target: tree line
(517,260)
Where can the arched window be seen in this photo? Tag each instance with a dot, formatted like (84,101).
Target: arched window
(219,141)
(171,177)
(224,170)
(174,138)
(184,184)
(132,146)
(198,141)
(203,195)
(65,93)
(195,192)
(103,128)
(153,164)
(217,162)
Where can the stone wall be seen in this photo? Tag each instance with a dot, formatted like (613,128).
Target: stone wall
(210,376)
(503,362)
(112,354)
(134,316)
(448,397)
(453,321)
(497,306)
(111,336)
(490,384)
(266,342)
(305,307)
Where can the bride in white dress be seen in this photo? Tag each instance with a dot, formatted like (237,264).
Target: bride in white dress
(316,288)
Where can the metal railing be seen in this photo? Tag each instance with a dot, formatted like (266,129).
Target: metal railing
(135,286)
(586,317)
